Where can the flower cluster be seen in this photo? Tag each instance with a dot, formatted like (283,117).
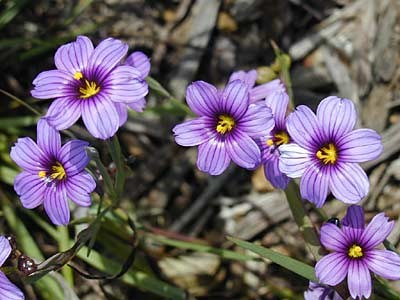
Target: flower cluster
(92,83)
(322,148)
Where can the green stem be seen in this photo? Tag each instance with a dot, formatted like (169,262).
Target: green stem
(94,155)
(116,154)
(302,220)
(22,102)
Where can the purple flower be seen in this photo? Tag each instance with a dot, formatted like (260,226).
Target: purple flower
(320,292)
(141,62)
(354,254)
(278,102)
(327,151)
(51,173)
(259,92)
(8,291)
(91,83)
(225,128)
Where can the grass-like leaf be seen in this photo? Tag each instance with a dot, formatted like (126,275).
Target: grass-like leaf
(287,262)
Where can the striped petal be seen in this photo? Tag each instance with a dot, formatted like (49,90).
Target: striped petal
(56,204)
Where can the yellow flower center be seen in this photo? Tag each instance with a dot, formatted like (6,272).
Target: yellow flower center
(280,138)
(355,251)
(56,172)
(225,124)
(327,154)
(87,88)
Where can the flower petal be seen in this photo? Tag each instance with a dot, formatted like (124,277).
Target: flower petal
(235,99)
(202,98)
(48,139)
(332,238)
(105,57)
(349,183)
(27,155)
(248,78)
(53,84)
(359,280)
(264,91)
(376,231)
(278,102)
(274,175)
(56,204)
(122,111)
(73,57)
(353,223)
(360,145)
(5,250)
(304,128)
(125,85)
(138,105)
(140,61)
(213,157)
(64,112)
(337,116)
(100,117)
(31,189)
(384,263)
(257,120)
(79,188)
(194,132)
(294,160)
(332,268)
(8,290)
(314,184)
(243,150)
(73,157)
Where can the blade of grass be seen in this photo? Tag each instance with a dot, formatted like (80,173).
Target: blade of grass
(287,262)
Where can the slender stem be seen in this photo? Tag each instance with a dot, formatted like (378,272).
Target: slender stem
(94,155)
(22,102)
(302,220)
(116,154)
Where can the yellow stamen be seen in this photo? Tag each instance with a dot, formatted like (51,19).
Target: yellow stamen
(225,124)
(355,251)
(58,172)
(78,75)
(281,138)
(42,174)
(327,154)
(90,89)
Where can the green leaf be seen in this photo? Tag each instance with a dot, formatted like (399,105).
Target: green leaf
(226,254)
(7,174)
(157,87)
(287,262)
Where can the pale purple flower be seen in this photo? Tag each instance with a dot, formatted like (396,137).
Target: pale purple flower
(259,92)
(225,127)
(90,82)
(354,252)
(327,151)
(320,292)
(52,173)
(141,62)
(269,144)
(8,291)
